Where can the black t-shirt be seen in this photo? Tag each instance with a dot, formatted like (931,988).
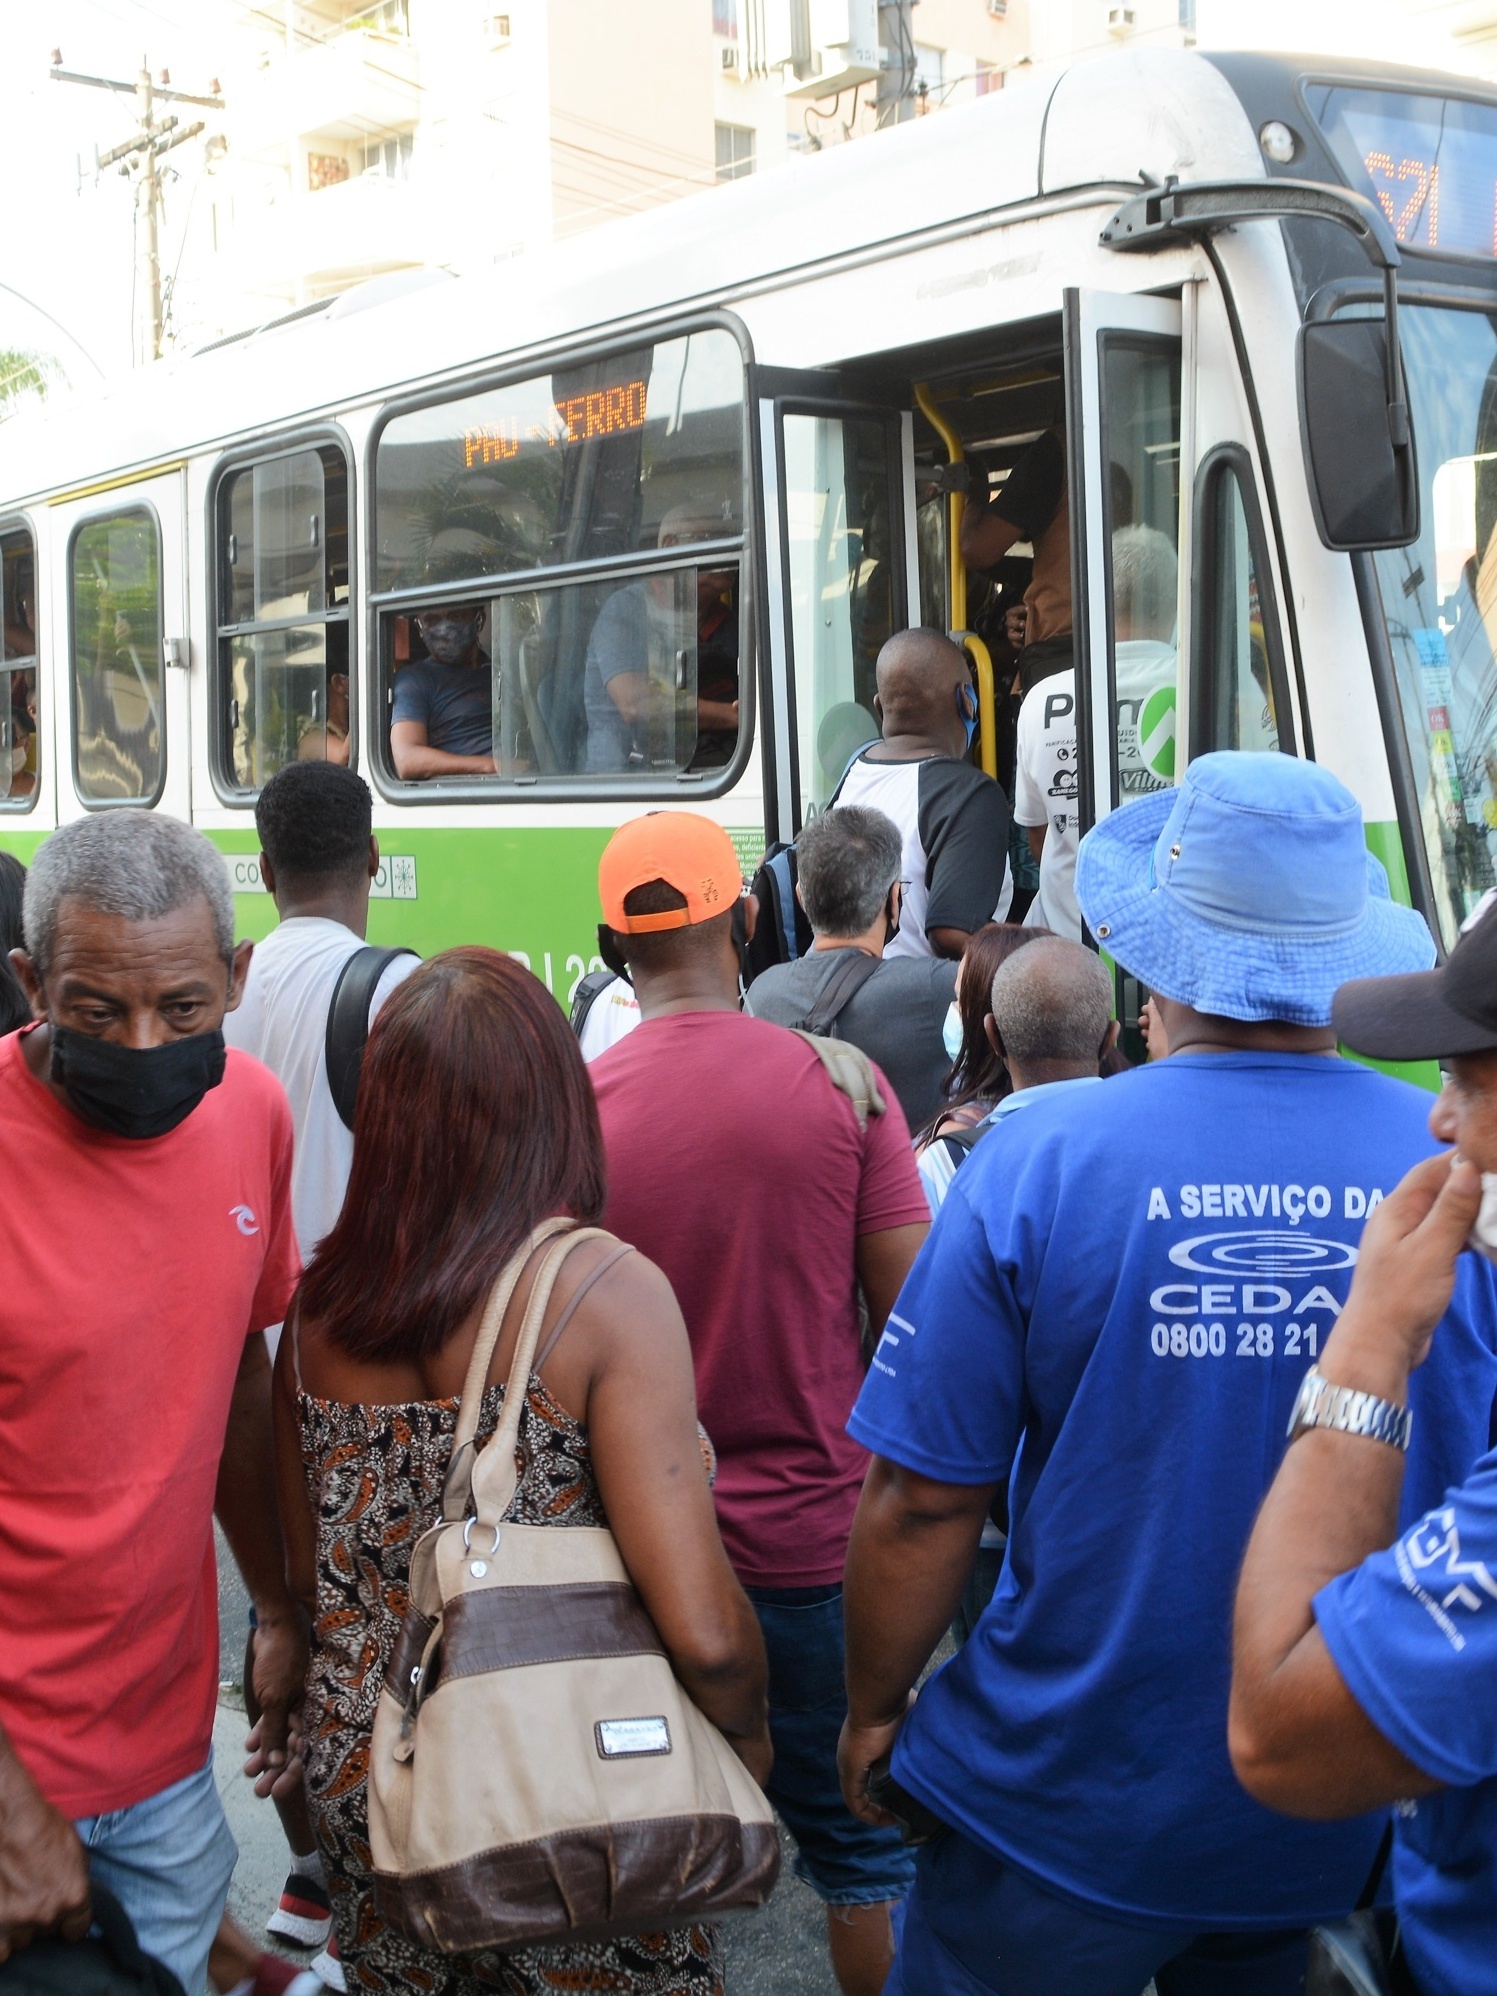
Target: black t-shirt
(953,824)
(1030,496)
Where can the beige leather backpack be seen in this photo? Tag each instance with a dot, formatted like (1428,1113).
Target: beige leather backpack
(537,1774)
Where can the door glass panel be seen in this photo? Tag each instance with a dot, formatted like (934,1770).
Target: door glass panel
(841,575)
(114,582)
(1236,689)
(1141,421)
(618,680)
(19,739)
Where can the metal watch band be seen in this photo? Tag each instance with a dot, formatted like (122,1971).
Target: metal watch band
(1319,1404)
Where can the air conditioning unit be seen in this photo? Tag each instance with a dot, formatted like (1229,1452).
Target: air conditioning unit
(823,46)
(1121,20)
(730,59)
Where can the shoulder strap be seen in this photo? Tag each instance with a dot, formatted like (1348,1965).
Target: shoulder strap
(348,1022)
(455,1487)
(963,1141)
(778,868)
(850,1071)
(553,1336)
(831,802)
(493,1475)
(839,990)
(588,991)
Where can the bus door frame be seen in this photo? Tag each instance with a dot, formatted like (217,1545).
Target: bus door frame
(163,495)
(774,393)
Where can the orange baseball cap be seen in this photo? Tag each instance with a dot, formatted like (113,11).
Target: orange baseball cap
(689,853)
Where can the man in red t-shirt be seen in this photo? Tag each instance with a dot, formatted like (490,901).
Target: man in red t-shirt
(146,1241)
(737,1165)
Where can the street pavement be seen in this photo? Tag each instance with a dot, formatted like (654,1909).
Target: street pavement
(779,1952)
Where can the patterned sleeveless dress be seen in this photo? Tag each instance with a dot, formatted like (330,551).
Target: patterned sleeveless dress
(375,1479)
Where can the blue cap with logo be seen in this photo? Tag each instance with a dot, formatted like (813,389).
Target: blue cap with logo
(1248,892)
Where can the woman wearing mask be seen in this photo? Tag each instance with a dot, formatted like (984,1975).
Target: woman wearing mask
(978,1080)
(475,1123)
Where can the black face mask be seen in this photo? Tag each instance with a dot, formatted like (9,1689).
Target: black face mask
(134,1091)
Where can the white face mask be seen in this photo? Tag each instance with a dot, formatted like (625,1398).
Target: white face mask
(951,1032)
(1483,1234)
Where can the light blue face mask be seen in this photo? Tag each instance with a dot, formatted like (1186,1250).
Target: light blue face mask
(951,1032)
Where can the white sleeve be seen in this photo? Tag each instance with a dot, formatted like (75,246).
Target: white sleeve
(1030,806)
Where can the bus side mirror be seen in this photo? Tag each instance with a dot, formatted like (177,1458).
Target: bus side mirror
(1359,450)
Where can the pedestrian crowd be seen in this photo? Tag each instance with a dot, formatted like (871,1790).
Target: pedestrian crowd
(1077,1518)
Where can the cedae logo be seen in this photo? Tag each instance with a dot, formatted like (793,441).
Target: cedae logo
(1261,1253)
(244,1219)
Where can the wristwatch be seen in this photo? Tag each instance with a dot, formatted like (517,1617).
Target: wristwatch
(1319,1404)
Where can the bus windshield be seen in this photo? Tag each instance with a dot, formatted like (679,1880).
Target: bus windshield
(1430,162)
(1440,601)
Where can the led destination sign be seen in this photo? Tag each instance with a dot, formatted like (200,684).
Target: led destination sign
(1429,162)
(601,412)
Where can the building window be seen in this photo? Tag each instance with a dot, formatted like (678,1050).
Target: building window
(325,169)
(389,159)
(725,18)
(998,9)
(735,151)
(989,77)
(283,614)
(20,738)
(114,591)
(386,17)
(1188,16)
(930,70)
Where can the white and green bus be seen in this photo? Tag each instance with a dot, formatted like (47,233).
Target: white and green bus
(1257,295)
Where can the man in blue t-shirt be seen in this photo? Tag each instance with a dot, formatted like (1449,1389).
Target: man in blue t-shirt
(442,714)
(1365,1667)
(1113,1315)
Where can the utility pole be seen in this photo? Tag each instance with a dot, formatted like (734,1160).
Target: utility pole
(895,100)
(140,157)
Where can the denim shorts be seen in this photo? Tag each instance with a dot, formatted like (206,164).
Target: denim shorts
(845,1862)
(975,1926)
(168,1860)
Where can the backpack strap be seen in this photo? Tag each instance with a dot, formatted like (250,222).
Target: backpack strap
(778,869)
(850,1071)
(589,990)
(348,1022)
(838,992)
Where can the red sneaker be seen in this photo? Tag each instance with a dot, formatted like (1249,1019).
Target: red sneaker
(305,1914)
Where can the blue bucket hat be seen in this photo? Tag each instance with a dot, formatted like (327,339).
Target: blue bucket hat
(1247,892)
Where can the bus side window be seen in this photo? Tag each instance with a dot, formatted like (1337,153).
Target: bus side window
(114,590)
(1141,415)
(1233,704)
(283,674)
(19,736)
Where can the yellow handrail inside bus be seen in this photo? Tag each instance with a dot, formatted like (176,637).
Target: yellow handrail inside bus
(956,568)
(987,728)
(956,505)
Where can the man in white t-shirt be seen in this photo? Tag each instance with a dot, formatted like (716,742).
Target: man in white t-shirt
(1145,581)
(318,859)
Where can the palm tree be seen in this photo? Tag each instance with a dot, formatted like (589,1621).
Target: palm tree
(25,376)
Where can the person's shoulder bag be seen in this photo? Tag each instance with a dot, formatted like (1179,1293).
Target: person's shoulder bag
(348,1022)
(110,1962)
(537,1774)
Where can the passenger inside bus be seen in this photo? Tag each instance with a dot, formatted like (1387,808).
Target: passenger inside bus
(1032,505)
(442,717)
(636,658)
(327,741)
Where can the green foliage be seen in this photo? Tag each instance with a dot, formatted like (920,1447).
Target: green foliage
(25,376)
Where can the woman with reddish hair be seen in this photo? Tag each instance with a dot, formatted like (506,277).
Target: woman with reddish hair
(476,1122)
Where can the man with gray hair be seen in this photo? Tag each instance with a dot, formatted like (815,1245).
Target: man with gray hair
(1051,1025)
(148,1245)
(894,1008)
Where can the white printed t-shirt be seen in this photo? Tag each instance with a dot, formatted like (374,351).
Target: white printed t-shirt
(1045,771)
(282,1021)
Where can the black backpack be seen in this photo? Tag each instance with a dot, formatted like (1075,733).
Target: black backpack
(108,1963)
(348,1022)
(783,934)
(589,990)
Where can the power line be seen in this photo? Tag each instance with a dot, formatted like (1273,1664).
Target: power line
(139,158)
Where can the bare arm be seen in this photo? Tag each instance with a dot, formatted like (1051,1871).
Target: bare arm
(247,1510)
(949,943)
(987,537)
(415,759)
(43,1871)
(1299,1740)
(642,1424)
(1036,836)
(884,1260)
(913,1544)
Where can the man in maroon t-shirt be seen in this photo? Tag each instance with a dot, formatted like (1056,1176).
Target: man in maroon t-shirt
(737,1166)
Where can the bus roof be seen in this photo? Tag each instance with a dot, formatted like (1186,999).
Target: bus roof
(1096,125)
